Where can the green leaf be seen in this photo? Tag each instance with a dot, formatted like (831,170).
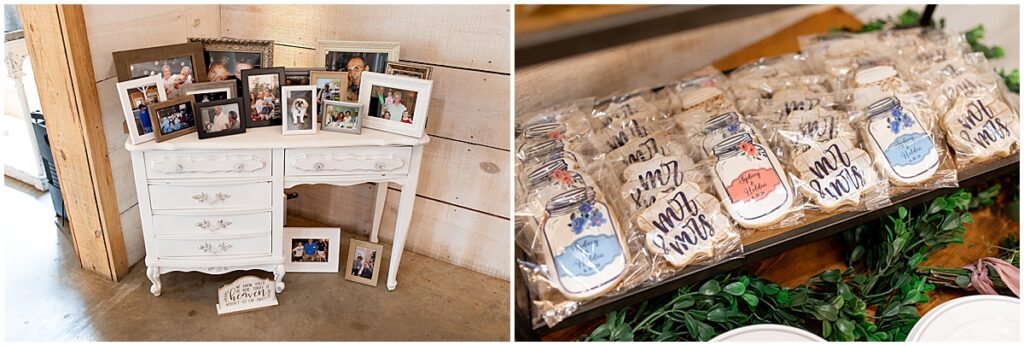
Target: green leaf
(710,288)
(903,212)
(622,333)
(719,314)
(750,299)
(827,311)
(845,327)
(735,288)
(783,297)
(683,303)
(799,298)
(771,289)
(844,291)
(830,275)
(856,254)
(963,281)
(826,328)
(891,310)
(705,331)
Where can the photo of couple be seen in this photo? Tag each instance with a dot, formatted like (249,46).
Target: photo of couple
(392,104)
(362,264)
(220,118)
(174,72)
(310,250)
(264,97)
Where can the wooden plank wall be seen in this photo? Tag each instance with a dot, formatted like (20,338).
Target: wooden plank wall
(462,212)
(114,28)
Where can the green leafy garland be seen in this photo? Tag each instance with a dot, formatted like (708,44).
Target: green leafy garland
(874,299)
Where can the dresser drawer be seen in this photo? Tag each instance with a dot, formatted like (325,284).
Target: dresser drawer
(212,225)
(190,195)
(208,164)
(229,246)
(342,161)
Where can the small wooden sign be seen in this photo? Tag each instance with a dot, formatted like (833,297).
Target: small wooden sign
(246,293)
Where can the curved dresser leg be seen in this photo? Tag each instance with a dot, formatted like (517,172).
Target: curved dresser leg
(279,277)
(153,273)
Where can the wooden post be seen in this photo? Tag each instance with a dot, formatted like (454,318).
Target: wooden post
(59,50)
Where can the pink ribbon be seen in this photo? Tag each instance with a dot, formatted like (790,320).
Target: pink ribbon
(981,282)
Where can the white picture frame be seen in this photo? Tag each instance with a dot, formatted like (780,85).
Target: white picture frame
(373,116)
(323,47)
(129,103)
(310,263)
(292,124)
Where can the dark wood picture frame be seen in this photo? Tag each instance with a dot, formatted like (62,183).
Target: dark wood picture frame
(247,99)
(290,73)
(124,59)
(243,120)
(410,70)
(154,117)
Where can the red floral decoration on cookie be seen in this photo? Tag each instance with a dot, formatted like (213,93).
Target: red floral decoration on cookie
(563,176)
(748,149)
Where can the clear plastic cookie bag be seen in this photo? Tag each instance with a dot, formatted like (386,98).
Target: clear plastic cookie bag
(828,163)
(620,120)
(836,54)
(980,123)
(562,127)
(903,138)
(752,184)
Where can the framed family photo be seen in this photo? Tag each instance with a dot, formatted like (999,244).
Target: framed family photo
(212,91)
(261,93)
(313,249)
(396,104)
(363,264)
(355,57)
(409,70)
(173,118)
(226,57)
(177,65)
(340,116)
(330,86)
(136,96)
(220,118)
(300,116)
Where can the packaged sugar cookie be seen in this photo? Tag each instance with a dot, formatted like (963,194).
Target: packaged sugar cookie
(876,78)
(687,226)
(752,183)
(981,126)
(901,134)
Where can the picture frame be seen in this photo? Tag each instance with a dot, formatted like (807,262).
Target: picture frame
(345,122)
(299,75)
(212,91)
(269,87)
(226,57)
(320,261)
(168,122)
(372,57)
(338,82)
(299,110)
(409,70)
(366,254)
(377,97)
(144,62)
(136,96)
(215,118)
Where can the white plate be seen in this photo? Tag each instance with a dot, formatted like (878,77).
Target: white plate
(768,332)
(977,318)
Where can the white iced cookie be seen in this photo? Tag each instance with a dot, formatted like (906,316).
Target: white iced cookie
(644,181)
(643,149)
(686,226)
(835,173)
(808,128)
(702,103)
(587,254)
(751,182)
(901,147)
(720,127)
(981,127)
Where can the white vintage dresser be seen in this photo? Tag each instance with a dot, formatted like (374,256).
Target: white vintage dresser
(217,205)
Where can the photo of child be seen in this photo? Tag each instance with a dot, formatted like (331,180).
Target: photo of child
(264,97)
(392,104)
(229,65)
(141,98)
(175,118)
(310,250)
(341,117)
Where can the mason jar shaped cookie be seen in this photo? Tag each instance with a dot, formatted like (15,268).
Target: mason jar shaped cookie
(751,182)
(899,143)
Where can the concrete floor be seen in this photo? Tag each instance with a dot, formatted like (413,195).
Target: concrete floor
(47,296)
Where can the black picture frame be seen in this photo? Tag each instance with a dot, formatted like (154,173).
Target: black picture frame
(252,119)
(200,124)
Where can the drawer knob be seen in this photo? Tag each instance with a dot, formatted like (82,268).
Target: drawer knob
(318,166)
(215,249)
(178,168)
(379,165)
(240,166)
(202,197)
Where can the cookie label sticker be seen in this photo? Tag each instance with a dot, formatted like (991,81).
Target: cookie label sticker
(751,179)
(835,174)
(586,250)
(908,150)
